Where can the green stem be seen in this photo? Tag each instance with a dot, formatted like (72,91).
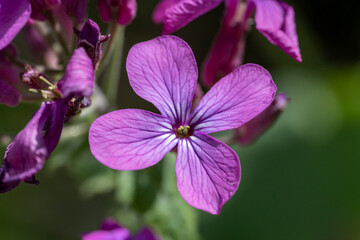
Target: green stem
(18,63)
(58,35)
(109,47)
(112,75)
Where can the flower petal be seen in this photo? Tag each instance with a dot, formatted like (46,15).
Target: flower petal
(186,11)
(208,172)
(234,100)
(79,76)
(131,139)
(127,12)
(13,17)
(276,21)
(158,15)
(26,155)
(163,71)
(8,94)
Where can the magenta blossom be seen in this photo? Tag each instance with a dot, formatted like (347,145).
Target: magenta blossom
(111,230)
(124,10)
(26,155)
(13,17)
(273,18)
(163,71)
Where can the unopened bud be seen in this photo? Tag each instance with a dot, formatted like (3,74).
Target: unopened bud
(252,130)
(90,39)
(39,83)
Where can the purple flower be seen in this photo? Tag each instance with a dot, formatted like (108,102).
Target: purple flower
(249,132)
(26,155)
(111,230)
(273,18)
(163,71)
(125,10)
(13,17)
(276,21)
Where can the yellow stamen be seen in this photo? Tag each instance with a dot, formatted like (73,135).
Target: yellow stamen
(182,131)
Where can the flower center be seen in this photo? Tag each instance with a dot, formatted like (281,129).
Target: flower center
(182,132)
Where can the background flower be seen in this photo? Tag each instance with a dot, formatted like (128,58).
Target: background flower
(26,155)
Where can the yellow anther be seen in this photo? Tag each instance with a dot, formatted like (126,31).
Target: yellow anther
(182,131)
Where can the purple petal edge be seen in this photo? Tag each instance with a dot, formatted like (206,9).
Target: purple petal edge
(13,17)
(234,100)
(131,139)
(26,155)
(208,172)
(163,71)
(186,11)
(276,21)
(158,15)
(79,76)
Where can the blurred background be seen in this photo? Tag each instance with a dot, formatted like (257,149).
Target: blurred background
(300,180)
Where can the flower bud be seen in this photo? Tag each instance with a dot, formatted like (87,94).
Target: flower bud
(90,39)
(39,83)
(252,130)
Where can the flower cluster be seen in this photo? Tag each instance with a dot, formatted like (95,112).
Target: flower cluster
(162,71)
(26,155)
(273,18)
